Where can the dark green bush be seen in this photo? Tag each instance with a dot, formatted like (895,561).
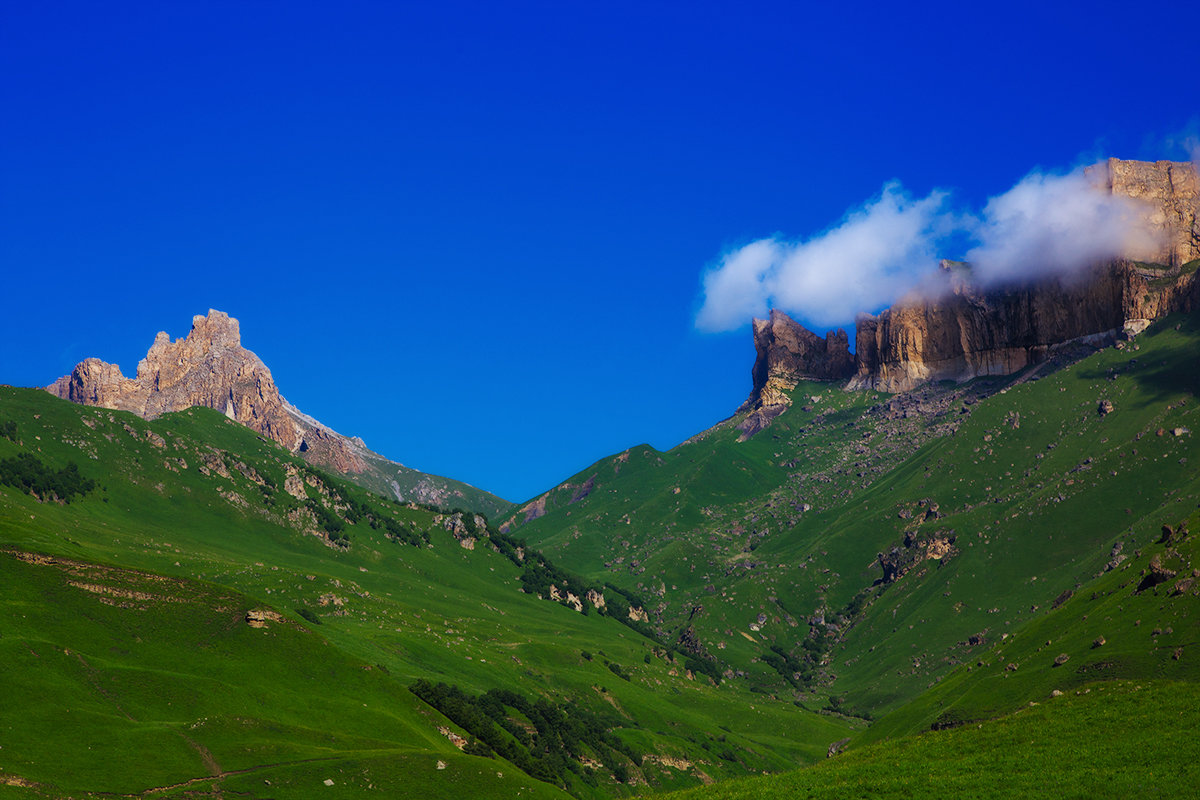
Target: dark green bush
(27,473)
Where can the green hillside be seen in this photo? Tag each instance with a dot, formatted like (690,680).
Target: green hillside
(1097,697)
(867,570)
(133,550)
(1115,740)
(988,501)
(386,477)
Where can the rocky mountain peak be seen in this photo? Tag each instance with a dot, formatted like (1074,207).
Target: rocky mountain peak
(968,330)
(213,331)
(209,367)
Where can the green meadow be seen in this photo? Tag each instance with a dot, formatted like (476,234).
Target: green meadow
(966,587)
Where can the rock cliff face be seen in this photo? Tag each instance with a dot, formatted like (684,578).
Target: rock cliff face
(967,331)
(1171,193)
(788,353)
(209,367)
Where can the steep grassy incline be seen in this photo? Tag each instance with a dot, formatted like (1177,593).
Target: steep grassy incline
(209,521)
(124,682)
(390,479)
(987,502)
(1119,740)
(1096,696)
(1139,620)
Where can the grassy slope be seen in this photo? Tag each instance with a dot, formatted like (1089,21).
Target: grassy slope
(1115,718)
(440,612)
(1108,629)
(141,664)
(1122,739)
(1034,484)
(388,478)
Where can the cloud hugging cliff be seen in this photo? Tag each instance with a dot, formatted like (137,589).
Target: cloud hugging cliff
(1047,225)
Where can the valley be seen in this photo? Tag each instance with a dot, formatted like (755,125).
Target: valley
(870,593)
(974,531)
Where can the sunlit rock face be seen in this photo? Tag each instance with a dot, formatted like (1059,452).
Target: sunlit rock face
(209,367)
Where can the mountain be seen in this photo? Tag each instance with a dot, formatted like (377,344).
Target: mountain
(957,588)
(888,557)
(1035,427)
(186,588)
(956,329)
(210,368)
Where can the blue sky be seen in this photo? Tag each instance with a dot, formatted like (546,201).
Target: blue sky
(475,233)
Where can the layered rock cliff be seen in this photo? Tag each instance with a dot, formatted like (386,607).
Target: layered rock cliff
(787,353)
(1170,192)
(968,332)
(210,367)
(964,331)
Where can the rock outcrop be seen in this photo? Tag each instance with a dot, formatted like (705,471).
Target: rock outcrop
(1170,191)
(209,367)
(965,331)
(788,353)
(968,332)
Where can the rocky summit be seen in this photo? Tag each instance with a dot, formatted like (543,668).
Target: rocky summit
(209,367)
(966,330)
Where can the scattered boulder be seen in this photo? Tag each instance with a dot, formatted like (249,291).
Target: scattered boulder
(837,747)
(1115,557)
(595,598)
(1155,575)
(1098,642)
(1105,408)
(1061,659)
(892,563)
(259,617)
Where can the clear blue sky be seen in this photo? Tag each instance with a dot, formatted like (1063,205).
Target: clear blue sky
(474,233)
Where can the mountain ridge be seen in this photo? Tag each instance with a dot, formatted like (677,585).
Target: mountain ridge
(957,329)
(209,367)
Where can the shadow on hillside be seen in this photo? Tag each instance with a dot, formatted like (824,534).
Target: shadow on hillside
(1170,371)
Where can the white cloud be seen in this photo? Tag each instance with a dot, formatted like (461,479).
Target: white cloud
(1054,225)
(878,251)
(736,290)
(1046,225)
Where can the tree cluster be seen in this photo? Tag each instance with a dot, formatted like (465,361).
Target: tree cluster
(552,751)
(27,472)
